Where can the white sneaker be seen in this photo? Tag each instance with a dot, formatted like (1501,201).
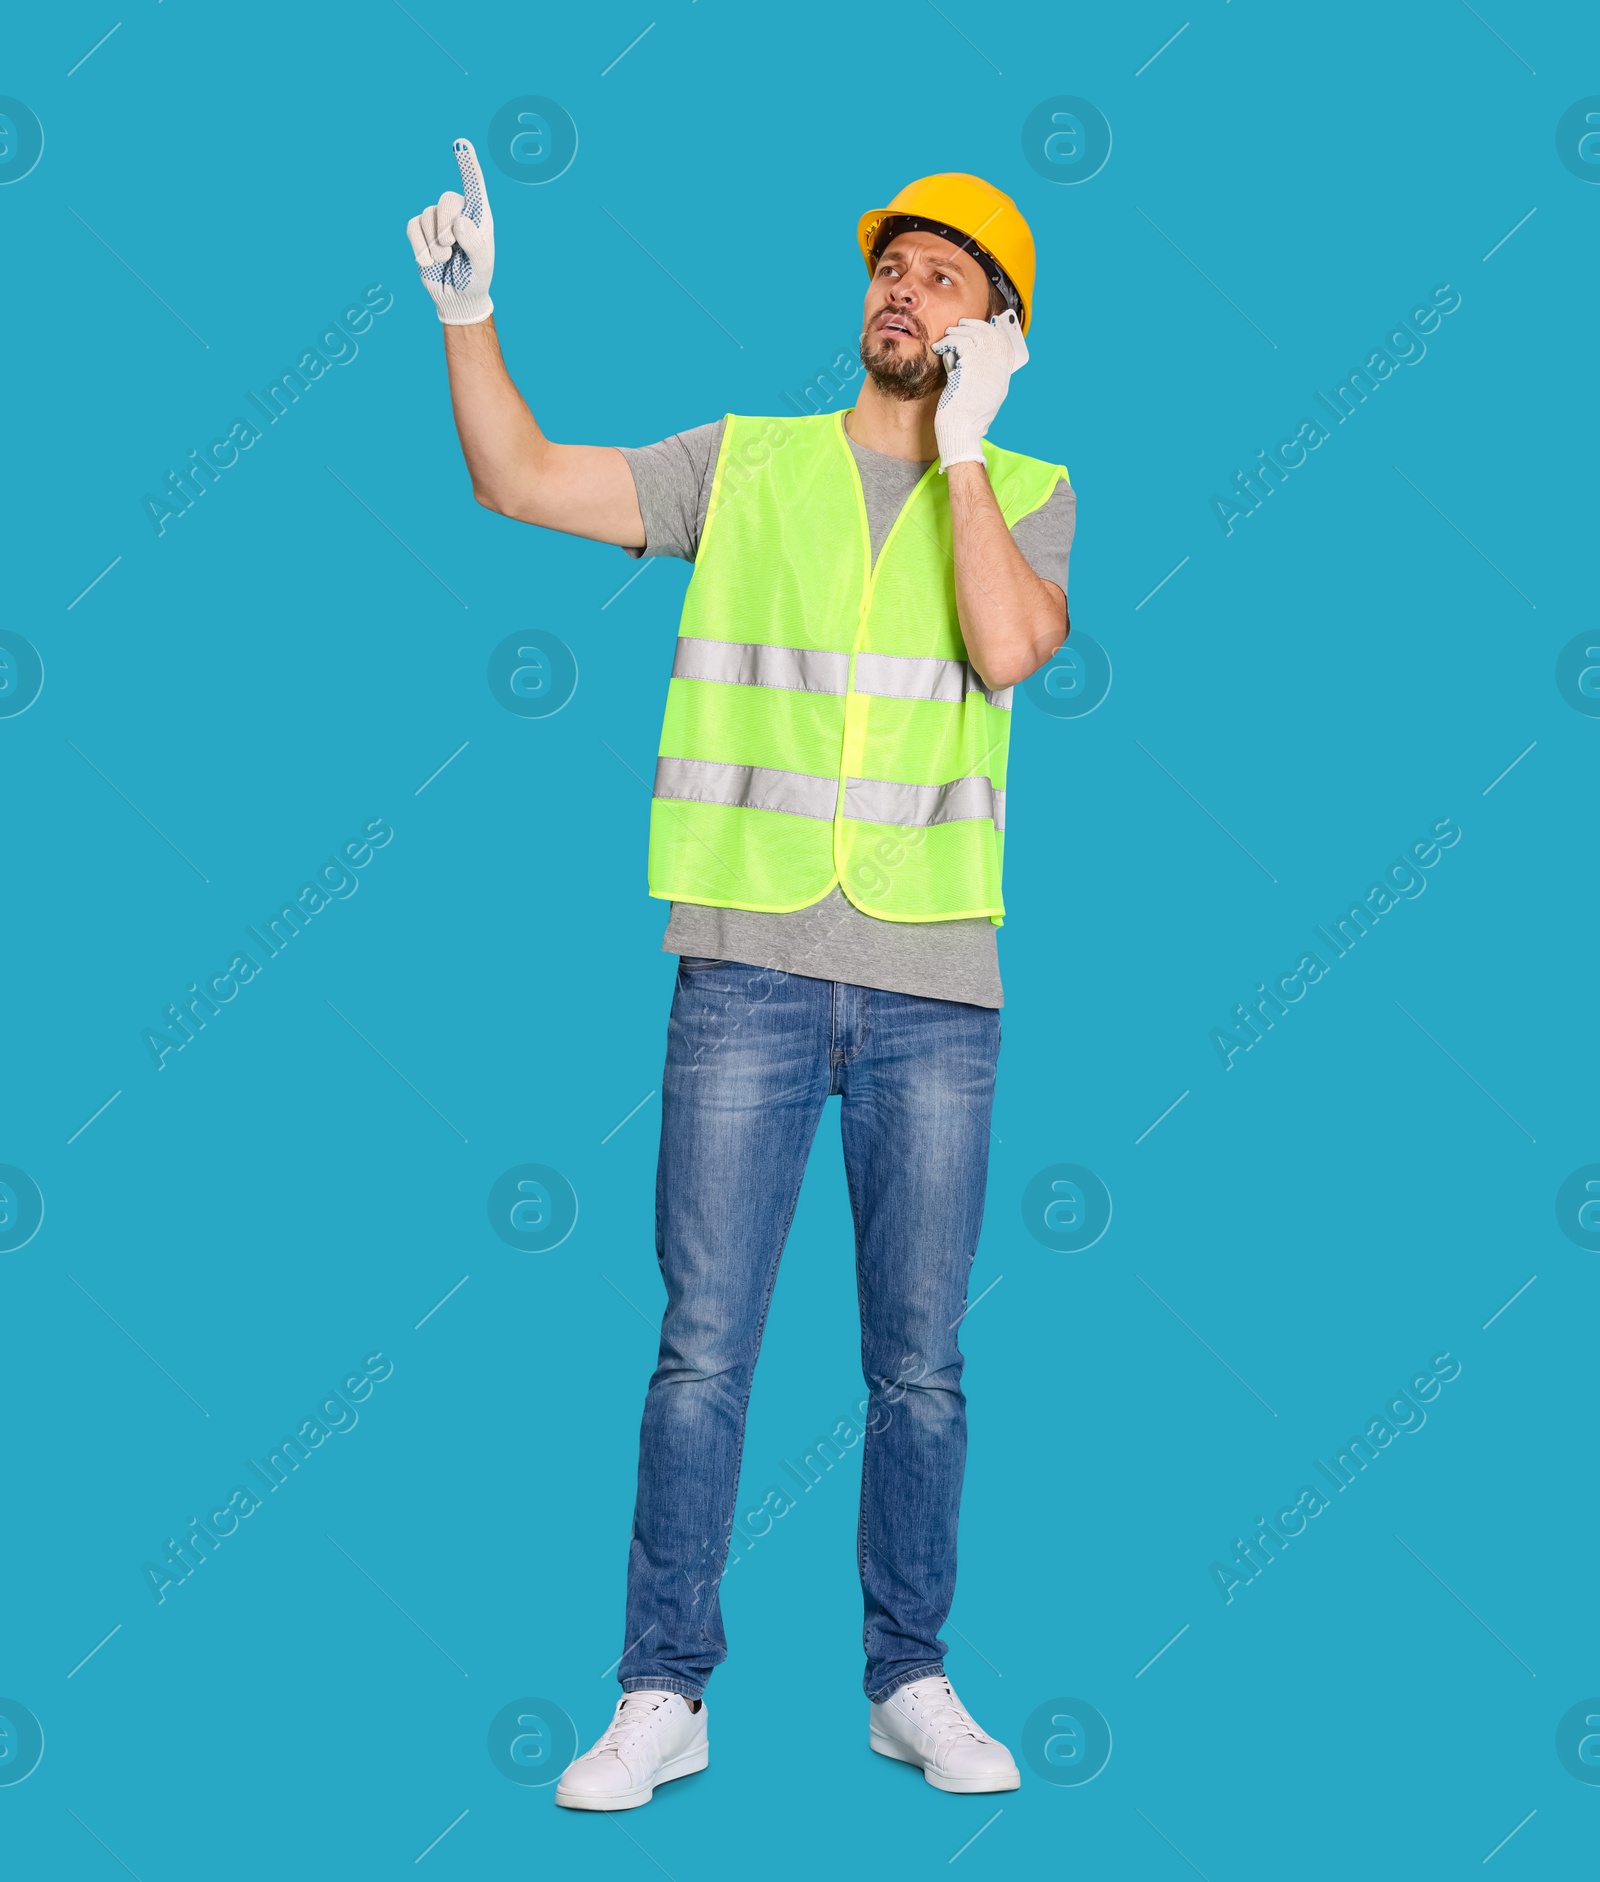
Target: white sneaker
(926,1724)
(653,1736)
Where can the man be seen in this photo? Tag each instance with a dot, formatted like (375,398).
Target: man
(829,802)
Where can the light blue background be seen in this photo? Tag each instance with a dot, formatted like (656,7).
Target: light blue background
(1288,1247)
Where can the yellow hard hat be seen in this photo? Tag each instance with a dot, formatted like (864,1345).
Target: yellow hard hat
(968,211)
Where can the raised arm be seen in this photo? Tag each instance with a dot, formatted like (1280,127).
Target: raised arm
(583,490)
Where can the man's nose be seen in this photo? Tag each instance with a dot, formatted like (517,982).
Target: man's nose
(904,296)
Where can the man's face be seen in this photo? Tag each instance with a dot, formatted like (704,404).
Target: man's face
(921,286)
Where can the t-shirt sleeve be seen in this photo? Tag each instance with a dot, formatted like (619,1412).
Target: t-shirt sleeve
(1045,535)
(673,481)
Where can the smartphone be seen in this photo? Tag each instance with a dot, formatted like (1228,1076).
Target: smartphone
(1012,327)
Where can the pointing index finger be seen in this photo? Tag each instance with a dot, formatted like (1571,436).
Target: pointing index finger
(472,182)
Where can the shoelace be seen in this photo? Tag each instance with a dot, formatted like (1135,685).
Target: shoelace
(935,1710)
(635,1717)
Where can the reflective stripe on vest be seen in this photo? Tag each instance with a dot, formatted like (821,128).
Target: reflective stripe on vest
(824,728)
(798,794)
(747,787)
(747,663)
(919,806)
(815,670)
(920,676)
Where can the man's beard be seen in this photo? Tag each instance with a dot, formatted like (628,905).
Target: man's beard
(900,377)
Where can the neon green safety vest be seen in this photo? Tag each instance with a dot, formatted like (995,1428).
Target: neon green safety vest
(823,722)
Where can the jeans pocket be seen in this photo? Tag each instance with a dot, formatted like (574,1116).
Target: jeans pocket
(695,963)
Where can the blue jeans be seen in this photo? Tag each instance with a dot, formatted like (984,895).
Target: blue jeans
(752,1056)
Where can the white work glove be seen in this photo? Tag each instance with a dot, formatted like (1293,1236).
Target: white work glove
(979,359)
(453,241)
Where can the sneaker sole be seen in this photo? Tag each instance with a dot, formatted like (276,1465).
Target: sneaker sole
(963,1786)
(684,1765)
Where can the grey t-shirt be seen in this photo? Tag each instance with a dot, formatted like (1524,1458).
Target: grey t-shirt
(833,939)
